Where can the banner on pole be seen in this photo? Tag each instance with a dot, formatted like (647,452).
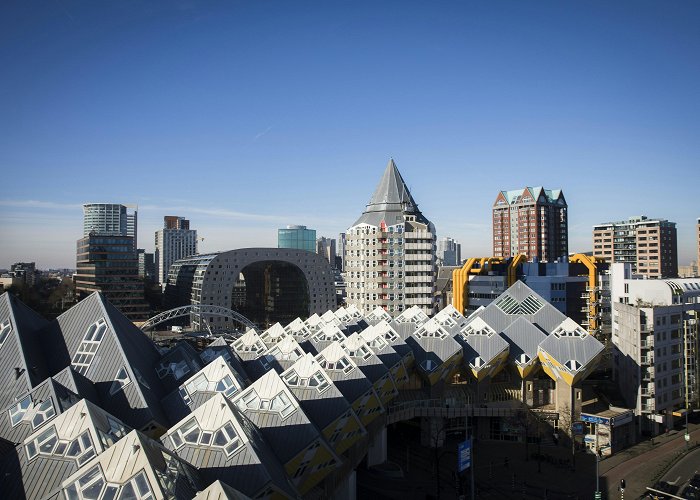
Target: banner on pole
(464,455)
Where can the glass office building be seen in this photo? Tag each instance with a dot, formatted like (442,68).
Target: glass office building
(297,237)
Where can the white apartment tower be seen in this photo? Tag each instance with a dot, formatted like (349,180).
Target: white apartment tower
(390,251)
(655,333)
(175,241)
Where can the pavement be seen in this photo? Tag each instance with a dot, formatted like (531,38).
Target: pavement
(505,470)
(643,464)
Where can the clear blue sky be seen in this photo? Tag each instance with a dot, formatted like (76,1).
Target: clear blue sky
(247,116)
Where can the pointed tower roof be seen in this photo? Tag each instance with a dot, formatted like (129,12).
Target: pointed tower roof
(391,190)
(391,198)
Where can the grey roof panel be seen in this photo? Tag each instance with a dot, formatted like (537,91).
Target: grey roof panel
(524,338)
(547,317)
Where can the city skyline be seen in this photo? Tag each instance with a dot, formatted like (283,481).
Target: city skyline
(248,118)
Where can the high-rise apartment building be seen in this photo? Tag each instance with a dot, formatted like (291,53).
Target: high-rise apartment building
(449,252)
(531,221)
(390,251)
(298,237)
(655,333)
(111,219)
(649,245)
(175,241)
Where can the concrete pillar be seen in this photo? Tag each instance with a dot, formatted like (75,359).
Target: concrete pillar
(528,391)
(482,391)
(569,401)
(377,452)
(347,490)
(432,432)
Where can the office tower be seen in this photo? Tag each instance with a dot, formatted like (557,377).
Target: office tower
(390,251)
(326,248)
(108,264)
(655,333)
(175,241)
(340,257)
(530,221)
(111,219)
(649,245)
(697,262)
(298,237)
(449,252)
(107,260)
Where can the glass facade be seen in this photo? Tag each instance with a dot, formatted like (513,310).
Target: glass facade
(298,237)
(109,264)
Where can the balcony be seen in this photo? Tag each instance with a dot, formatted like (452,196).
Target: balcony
(647,360)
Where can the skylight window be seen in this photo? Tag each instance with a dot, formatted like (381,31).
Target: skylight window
(435,331)
(86,351)
(18,411)
(225,437)
(343,364)
(573,365)
(43,412)
(563,332)
(256,347)
(360,352)
(509,305)
(137,488)
(176,369)
(5,329)
(378,343)
(81,448)
(210,354)
(116,431)
(281,403)
(429,365)
(120,380)
(317,380)
(226,386)
(90,485)
(197,384)
(44,443)
(266,360)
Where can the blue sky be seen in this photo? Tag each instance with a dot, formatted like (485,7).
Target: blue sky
(247,116)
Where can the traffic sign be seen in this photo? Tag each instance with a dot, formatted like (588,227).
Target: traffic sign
(464,455)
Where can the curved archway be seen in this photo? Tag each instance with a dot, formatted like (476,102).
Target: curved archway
(271,291)
(197,309)
(212,278)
